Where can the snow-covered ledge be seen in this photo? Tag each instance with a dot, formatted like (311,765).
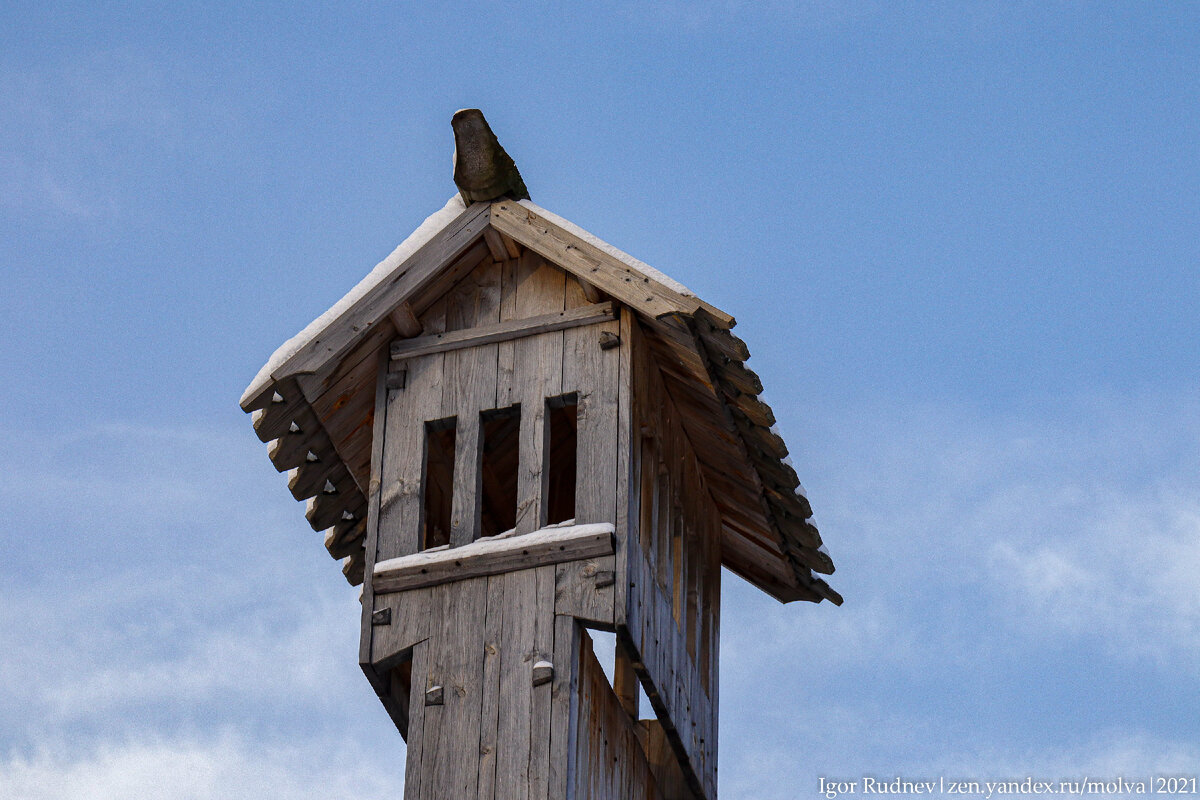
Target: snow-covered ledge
(504,553)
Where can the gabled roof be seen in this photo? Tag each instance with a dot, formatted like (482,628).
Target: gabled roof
(314,400)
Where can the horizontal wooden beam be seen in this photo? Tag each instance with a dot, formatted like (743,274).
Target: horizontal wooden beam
(503,331)
(492,556)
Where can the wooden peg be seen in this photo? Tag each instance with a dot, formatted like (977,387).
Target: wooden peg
(543,672)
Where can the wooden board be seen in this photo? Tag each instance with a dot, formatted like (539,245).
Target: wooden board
(450,734)
(470,388)
(492,556)
(502,331)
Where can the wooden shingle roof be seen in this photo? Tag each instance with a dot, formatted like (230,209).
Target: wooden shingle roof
(314,400)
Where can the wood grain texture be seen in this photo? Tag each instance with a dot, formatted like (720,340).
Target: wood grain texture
(470,388)
(536,376)
(493,638)
(577,594)
(492,556)
(609,759)
(450,753)
(502,331)
(414,763)
(595,266)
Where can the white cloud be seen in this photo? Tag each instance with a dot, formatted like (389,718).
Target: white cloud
(1000,575)
(968,549)
(227,765)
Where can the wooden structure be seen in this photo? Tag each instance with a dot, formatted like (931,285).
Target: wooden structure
(511,432)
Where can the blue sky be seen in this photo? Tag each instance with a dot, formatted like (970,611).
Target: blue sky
(961,240)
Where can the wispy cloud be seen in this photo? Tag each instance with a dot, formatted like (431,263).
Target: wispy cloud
(199,768)
(66,127)
(995,568)
(970,548)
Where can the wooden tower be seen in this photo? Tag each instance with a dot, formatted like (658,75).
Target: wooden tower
(511,432)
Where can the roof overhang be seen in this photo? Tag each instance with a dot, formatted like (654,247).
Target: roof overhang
(314,398)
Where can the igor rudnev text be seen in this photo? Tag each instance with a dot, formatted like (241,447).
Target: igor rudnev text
(831,788)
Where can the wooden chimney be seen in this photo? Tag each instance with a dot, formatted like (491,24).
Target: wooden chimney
(510,433)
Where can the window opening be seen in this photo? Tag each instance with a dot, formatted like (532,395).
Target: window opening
(500,454)
(437,482)
(562,422)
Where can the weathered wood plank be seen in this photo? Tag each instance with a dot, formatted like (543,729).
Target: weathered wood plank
(514,250)
(492,556)
(593,373)
(305,434)
(450,756)
(600,268)
(407,411)
(625,681)
(330,507)
(537,375)
(502,331)
(564,706)
(405,321)
(495,244)
(518,654)
(409,615)
(346,537)
(273,420)
(584,589)
(610,762)
(628,439)
(313,477)
(493,640)
(414,763)
(541,706)
(470,388)
(506,351)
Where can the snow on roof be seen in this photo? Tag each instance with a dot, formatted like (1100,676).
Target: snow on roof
(628,260)
(426,231)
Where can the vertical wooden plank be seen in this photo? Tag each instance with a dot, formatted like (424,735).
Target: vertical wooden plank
(378,437)
(516,687)
(414,765)
(541,705)
(593,373)
(403,457)
(450,752)
(626,486)
(493,638)
(662,505)
(538,375)
(625,682)
(564,707)
(506,394)
(470,388)
(464,518)
(714,682)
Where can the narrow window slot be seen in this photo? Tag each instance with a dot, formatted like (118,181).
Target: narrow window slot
(498,468)
(437,484)
(562,428)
